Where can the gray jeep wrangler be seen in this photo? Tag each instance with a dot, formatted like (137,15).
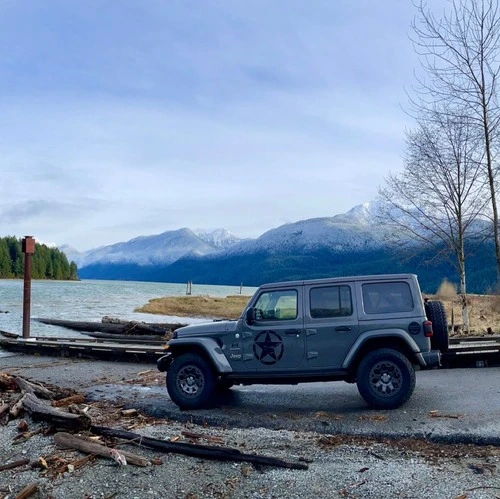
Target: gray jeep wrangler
(371,330)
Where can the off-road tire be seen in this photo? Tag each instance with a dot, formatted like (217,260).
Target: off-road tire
(191,381)
(386,379)
(435,312)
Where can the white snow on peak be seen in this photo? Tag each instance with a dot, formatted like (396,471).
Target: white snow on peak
(219,238)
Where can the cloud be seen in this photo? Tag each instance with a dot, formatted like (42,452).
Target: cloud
(118,122)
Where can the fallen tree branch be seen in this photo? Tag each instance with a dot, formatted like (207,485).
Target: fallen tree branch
(14,464)
(58,418)
(203,451)
(28,491)
(68,441)
(28,387)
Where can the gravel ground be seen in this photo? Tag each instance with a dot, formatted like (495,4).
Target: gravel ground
(338,465)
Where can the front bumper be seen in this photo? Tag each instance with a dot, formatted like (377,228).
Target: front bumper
(164,362)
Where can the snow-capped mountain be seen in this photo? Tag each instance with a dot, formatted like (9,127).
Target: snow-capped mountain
(359,229)
(355,230)
(163,248)
(356,242)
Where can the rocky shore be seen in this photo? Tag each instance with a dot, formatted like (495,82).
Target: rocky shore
(337,465)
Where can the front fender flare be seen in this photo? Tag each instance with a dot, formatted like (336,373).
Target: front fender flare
(209,347)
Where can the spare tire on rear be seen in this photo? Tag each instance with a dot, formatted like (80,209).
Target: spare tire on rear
(436,314)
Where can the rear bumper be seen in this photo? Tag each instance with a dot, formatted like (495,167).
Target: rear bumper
(430,359)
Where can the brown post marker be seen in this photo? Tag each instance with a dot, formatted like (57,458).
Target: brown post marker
(28,247)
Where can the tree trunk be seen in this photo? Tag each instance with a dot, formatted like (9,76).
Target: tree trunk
(491,177)
(463,288)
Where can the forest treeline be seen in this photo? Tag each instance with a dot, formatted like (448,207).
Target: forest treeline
(46,263)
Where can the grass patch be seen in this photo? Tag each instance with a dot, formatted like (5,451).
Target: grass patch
(229,307)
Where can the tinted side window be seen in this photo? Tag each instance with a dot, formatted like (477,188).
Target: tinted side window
(331,301)
(387,297)
(277,305)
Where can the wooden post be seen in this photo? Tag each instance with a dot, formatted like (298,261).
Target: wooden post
(188,287)
(241,287)
(28,247)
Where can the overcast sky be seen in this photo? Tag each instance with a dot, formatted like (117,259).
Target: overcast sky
(122,118)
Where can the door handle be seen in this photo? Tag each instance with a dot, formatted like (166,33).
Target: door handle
(343,328)
(292,331)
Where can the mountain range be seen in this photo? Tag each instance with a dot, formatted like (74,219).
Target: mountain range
(356,242)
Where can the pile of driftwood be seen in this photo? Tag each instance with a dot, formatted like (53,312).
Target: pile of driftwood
(71,427)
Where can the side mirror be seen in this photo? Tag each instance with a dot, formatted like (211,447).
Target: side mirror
(250,315)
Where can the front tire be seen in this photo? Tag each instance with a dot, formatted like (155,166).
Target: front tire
(386,379)
(190,381)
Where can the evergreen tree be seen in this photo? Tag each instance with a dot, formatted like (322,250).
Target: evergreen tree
(46,263)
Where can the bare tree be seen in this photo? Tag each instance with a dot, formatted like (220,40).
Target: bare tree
(460,57)
(439,197)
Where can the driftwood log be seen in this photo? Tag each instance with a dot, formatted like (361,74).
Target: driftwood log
(202,451)
(58,418)
(39,391)
(68,441)
(129,328)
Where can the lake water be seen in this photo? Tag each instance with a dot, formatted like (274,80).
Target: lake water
(90,300)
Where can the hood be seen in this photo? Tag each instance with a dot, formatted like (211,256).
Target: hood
(207,328)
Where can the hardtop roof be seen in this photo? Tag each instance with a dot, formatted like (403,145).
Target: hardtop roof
(334,280)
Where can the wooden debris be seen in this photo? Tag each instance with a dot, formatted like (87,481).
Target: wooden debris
(197,436)
(73,399)
(42,463)
(68,441)
(14,464)
(58,418)
(437,414)
(79,463)
(4,408)
(7,382)
(22,437)
(28,491)
(195,450)
(16,409)
(129,412)
(22,426)
(28,387)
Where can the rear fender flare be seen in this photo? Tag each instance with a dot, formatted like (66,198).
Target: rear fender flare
(382,334)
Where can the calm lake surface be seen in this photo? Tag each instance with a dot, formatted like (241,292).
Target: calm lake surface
(90,300)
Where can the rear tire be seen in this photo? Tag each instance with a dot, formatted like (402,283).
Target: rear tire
(386,379)
(190,381)
(437,315)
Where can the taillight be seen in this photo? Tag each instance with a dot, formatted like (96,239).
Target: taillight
(428,332)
